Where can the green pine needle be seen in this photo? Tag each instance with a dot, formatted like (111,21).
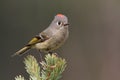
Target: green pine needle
(19,78)
(51,69)
(32,67)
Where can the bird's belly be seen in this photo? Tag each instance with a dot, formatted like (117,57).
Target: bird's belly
(49,45)
(53,43)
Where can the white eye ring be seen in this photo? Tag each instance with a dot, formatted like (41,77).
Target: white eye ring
(59,23)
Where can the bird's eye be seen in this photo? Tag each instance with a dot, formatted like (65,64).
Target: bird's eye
(59,23)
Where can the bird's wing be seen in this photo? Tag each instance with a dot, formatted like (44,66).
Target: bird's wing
(38,39)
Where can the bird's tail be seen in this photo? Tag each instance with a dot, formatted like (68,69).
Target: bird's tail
(22,51)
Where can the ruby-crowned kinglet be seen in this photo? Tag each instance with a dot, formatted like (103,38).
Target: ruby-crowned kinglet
(51,38)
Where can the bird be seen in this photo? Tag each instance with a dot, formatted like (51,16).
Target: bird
(49,39)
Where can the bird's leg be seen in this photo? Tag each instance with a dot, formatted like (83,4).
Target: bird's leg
(51,52)
(40,55)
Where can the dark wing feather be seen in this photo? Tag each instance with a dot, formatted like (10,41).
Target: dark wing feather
(37,39)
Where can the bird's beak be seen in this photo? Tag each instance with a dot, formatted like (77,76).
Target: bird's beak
(66,24)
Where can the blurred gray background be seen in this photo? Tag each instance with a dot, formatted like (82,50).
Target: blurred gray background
(92,50)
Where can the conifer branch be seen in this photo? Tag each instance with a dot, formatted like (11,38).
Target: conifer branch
(51,69)
(19,78)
